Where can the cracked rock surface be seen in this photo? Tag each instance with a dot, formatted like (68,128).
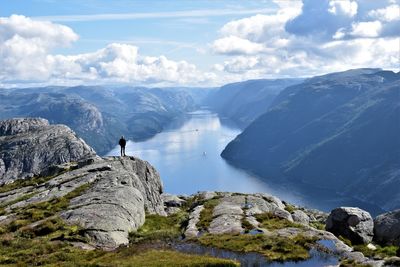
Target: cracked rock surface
(30,145)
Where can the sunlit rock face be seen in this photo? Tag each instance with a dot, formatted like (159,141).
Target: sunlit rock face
(30,145)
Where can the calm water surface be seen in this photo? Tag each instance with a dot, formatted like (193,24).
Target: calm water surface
(187,156)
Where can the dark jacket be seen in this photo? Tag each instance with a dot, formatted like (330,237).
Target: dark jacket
(122,142)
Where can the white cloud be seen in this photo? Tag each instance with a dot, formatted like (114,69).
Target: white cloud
(202,13)
(326,36)
(339,34)
(388,13)
(25,55)
(366,29)
(343,7)
(122,63)
(24,45)
(257,34)
(236,45)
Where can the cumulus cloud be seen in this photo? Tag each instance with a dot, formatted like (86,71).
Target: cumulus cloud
(366,29)
(345,7)
(24,46)
(320,36)
(236,45)
(25,55)
(388,13)
(259,33)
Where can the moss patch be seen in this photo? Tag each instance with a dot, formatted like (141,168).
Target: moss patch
(272,222)
(42,210)
(318,225)
(158,227)
(165,258)
(206,215)
(272,247)
(34,181)
(21,198)
(246,225)
(290,208)
(379,253)
(352,263)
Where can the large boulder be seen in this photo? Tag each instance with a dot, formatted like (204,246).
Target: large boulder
(28,146)
(387,228)
(352,223)
(119,191)
(123,190)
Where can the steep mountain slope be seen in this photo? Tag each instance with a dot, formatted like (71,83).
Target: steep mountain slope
(338,131)
(245,101)
(100,115)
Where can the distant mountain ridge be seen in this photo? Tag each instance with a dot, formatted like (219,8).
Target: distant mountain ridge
(338,131)
(98,114)
(245,101)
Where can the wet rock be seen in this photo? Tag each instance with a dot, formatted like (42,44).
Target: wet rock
(387,228)
(352,223)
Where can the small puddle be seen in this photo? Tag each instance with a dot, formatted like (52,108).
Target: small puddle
(318,259)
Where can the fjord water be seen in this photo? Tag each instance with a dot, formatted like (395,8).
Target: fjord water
(187,156)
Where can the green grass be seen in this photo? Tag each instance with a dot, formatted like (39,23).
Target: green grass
(380,252)
(345,240)
(318,225)
(164,258)
(21,198)
(352,263)
(274,248)
(34,252)
(24,244)
(290,208)
(206,215)
(246,225)
(158,227)
(34,181)
(42,210)
(271,222)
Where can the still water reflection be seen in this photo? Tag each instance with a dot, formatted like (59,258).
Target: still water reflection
(188,158)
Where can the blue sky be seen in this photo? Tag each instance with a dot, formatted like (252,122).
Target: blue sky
(191,43)
(177,36)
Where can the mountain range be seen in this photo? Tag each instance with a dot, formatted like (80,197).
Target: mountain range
(339,131)
(100,115)
(243,102)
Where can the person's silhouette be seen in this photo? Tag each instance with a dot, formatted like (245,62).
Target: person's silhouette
(122,143)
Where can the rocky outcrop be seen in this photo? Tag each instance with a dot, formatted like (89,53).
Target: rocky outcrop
(387,228)
(124,189)
(351,116)
(352,223)
(110,195)
(120,191)
(233,210)
(30,145)
(172,203)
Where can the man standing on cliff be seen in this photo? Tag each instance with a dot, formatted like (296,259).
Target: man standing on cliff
(122,143)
